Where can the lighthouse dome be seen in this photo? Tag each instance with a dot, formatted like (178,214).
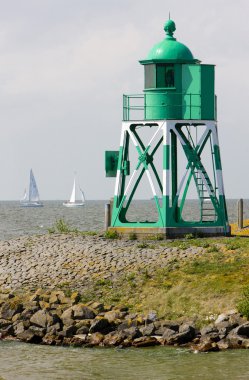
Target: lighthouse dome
(169,49)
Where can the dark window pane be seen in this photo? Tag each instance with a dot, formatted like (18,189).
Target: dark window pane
(165,75)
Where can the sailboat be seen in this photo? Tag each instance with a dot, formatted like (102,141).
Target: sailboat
(72,201)
(32,198)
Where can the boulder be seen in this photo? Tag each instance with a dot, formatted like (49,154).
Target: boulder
(44,319)
(206,345)
(28,312)
(29,336)
(185,335)
(67,332)
(67,317)
(101,325)
(114,338)
(19,328)
(161,326)
(9,309)
(148,330)
(132,333)
(82,330)
(95,339)
(145,341)
(168,333)
(239,337)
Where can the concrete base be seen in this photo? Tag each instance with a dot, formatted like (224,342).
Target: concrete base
(170,232)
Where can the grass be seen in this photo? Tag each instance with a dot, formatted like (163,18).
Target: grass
(62,227)
(198,288)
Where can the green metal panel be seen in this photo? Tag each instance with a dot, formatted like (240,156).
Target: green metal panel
(163,105)
(111,163)
(207,92)
(191,88)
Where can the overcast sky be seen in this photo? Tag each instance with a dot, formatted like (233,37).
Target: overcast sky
(64,65)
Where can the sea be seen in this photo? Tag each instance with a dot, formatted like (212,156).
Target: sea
(16,221)
(20,361)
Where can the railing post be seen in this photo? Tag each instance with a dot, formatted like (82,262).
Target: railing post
(240,214)
(107,216)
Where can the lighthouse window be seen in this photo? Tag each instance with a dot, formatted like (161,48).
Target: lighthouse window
(150,76)
(165,76)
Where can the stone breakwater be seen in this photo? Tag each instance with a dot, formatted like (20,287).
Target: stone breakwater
(52,318)
(35,309)
(54,260)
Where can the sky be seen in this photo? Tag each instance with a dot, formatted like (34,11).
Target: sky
(65,64)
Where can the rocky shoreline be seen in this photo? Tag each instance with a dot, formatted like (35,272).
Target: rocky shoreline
(44,281)
(52,318)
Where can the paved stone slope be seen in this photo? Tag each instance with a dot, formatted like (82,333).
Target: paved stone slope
(57,259)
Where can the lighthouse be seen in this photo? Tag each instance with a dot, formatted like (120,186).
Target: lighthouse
(169,136)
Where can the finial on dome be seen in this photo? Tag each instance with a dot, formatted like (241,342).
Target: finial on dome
(169,27)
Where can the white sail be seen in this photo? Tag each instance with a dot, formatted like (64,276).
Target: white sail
(33,190)
(72,201)
(73,195)
(25,196)
(32,199)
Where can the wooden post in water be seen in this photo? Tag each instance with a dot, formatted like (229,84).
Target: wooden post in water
(107,216)
(240,214)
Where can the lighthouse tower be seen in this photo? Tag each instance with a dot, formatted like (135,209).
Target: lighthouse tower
(172,129)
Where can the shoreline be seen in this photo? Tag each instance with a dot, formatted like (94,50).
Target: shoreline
(86,290)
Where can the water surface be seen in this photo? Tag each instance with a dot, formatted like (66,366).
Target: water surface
(20,361)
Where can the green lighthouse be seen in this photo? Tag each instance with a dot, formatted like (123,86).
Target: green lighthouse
(178,109)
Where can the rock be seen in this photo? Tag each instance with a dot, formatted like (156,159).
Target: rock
(75,297)
(151,316)
(19,328)
(162,325)
(54,329)
(209,330)
(49,340)
(101,325)
(97,306)
(113,315)
(38,331)
(148,330)
(206,345)
(43,318)
(132,333)
(67,317)
(186,334)
(29,336)
(4,323)
(10,309)
(81,311)
(114,338)
(168,333)
(68,331)
(145,341)
(82,330)
(27,313)
(95,339)
(239,337)
(223,344)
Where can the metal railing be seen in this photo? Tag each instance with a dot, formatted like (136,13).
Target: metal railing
(137,106)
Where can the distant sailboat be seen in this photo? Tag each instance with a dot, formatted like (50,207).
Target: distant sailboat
(72,202)
(32,199)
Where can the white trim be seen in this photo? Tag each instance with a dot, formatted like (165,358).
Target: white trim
(182,182)
(151,182)
(116,191)
(130,181)
(219,177)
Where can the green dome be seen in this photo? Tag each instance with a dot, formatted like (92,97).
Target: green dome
(169,49)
